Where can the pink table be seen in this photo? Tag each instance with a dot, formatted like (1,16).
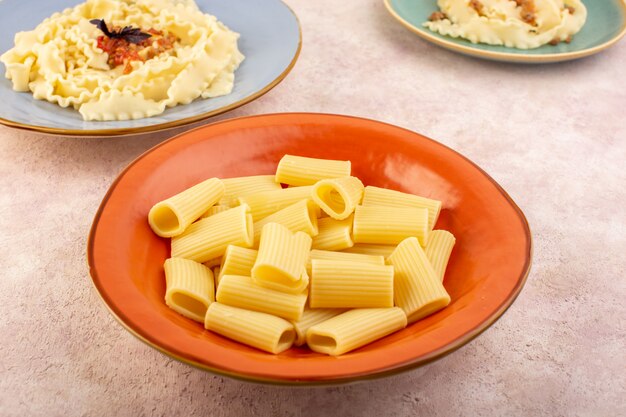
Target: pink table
(553,136)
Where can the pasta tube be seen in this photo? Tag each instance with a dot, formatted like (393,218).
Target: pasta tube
(236,261)
(311,317)
(240,291)
(298,217)
(343,256)
(266,203)
(245,186)
(282,257)
(213,262)
(300,170)
(371,249)
(189,287)
(208,238)
(354,329)
(262,331)
(171,217)
(417,290)
(218,208)
(333,234)
(375,196)
(344,284)
(389,225)
(338,197)
(438,250)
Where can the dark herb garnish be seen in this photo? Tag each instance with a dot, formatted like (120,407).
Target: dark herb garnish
(128,33)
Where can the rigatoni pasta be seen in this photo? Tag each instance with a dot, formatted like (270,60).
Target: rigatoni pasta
(417,290)
(343,256)
(389,225)
(189,287)
(338,197)
(260,330)
(300,170)
(245,186)
(311,317)
(208,238)
(266,203)
(171,217)
(345,284)
(240,291)
(282,257)
(371,249)
(236,261)
(218,208)
(333,234)
(298,217)
(354,329)
(341,282)
(376,196)
(438,250)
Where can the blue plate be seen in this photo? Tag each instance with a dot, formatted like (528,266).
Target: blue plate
(605,25)
(270,40)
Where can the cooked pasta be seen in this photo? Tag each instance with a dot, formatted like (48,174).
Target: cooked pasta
(438,250)
(389,225)
(245,186)
(298,217)
(346,284)
(522,24)
(171,217)
(242,292)
(375,196)
(266,203)
(236,261)
(260,330)
(183,54)
(333,234)
(213,262)
(354,329)
(218,208)
(371,249)
(208,238)
(300,170)
(189,287)
(417,290)
(343,256)
(282,257)
(342,283)
(311,317)
(339,196)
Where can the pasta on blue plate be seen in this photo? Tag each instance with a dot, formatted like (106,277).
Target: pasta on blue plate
(70,60)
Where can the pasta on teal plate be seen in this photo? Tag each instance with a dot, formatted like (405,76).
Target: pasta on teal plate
(527,31)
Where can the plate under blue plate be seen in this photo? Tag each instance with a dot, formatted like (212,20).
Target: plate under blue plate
(605,25)
(270,40)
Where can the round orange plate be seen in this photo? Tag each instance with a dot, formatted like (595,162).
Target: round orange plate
(487,269)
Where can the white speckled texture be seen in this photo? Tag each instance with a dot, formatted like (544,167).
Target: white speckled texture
(553,136)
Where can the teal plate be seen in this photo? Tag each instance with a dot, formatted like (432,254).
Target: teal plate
(605,25)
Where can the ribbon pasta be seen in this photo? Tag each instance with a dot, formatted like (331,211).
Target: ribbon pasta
(522,24)
(60,61)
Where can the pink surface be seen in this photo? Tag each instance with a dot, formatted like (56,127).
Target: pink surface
(552,136)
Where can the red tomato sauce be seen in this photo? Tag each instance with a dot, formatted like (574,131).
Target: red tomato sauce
(122,52)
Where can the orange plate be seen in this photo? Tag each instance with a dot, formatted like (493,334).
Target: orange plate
(487,269)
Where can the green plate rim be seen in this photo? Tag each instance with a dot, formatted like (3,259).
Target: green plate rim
(504,56)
